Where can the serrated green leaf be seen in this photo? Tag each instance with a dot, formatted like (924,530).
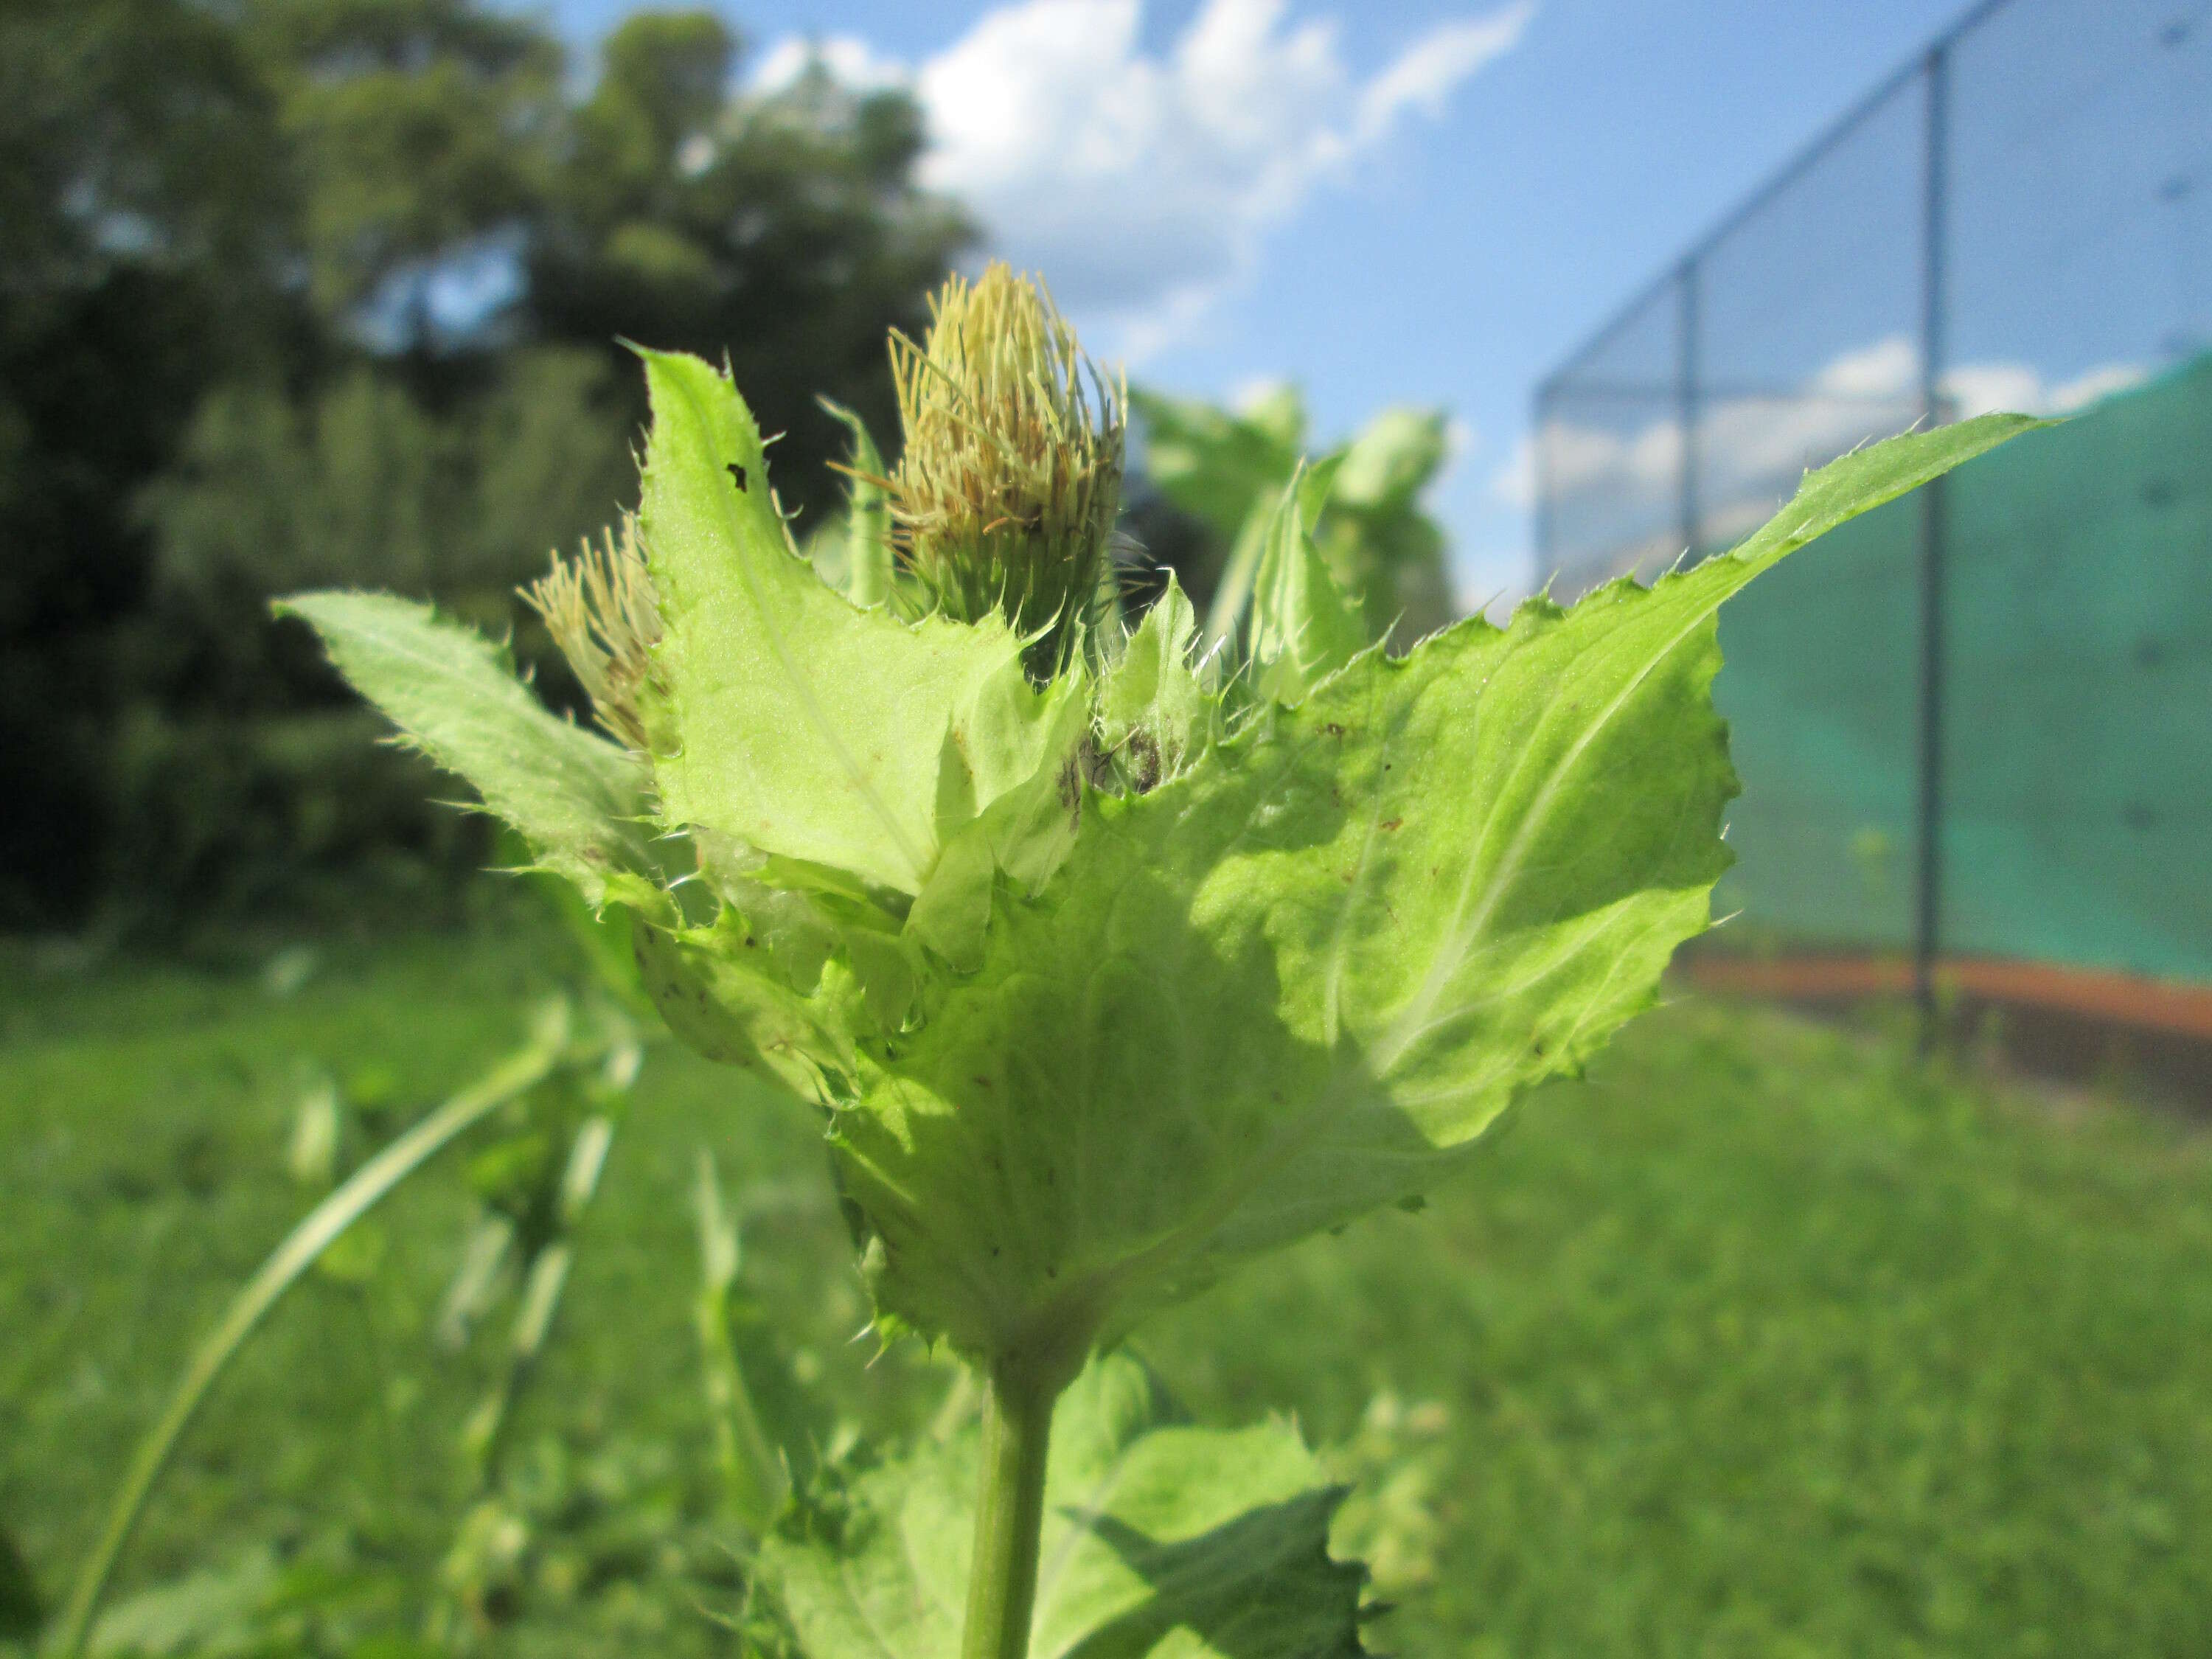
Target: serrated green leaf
(807,728)
(1232,594)
(703,983)
(1233,598)
(575,797)
(1015,750)
(1160,1539)
(1294,984)
(1302,628)
(1153,713)
(953,914)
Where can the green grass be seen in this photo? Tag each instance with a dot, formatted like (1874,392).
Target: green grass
(1764,1341)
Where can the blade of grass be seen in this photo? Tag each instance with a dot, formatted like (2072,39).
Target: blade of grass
(368,1186)
(753,1474)
(547,1277)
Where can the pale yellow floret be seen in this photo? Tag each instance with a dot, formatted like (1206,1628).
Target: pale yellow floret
(1006,493)
(602,613)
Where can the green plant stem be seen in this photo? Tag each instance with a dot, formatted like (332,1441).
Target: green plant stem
(322,1225)
(1009,1517)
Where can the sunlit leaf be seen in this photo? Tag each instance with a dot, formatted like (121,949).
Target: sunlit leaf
(808,728)
(575,797)
(1160,1539)
(1295,982)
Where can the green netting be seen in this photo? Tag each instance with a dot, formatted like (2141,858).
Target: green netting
(2077,765)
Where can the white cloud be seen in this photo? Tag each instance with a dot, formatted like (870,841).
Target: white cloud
(1251,392)
(851,60)
(1461,441)
(1984,388)
(1618,489)
(1514,483)
(1143,184)
(1425,74)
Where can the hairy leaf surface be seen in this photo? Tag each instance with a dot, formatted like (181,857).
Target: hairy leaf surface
(867,517)
(809,728)
(1153,711)
(1295,982)
(1302,629)
(1160,1539)
(576,798)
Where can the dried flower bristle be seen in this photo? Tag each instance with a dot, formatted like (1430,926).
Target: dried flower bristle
(602,613)
(1006,491)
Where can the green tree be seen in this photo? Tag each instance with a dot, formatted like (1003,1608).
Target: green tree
(416,131)
(141,262)
(783,231)
(328,291)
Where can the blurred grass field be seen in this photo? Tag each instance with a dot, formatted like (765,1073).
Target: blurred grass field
(1766,1341)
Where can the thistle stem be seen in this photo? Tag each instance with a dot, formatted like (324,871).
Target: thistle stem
(1009,1516)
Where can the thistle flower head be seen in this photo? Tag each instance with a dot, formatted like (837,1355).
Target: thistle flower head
(1006,494)
(602,613)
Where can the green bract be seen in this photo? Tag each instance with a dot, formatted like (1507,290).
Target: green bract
(1110,971)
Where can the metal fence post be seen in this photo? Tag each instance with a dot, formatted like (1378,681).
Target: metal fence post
(1928,888)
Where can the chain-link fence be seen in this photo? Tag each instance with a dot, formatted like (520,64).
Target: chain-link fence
(1979,721)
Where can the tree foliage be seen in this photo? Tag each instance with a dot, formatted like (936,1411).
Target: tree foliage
(327,291)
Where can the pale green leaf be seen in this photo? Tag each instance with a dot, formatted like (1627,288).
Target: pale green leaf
(1232,594)
(807,728)
(1161,1540)
(576,798)
(1295,982)
(719,992)
(1393,458)
(867,572)
(1014,751)
(209,1609)
(1233,598)
(1303,627)
(952,914)
(1218,465)
(1153,713)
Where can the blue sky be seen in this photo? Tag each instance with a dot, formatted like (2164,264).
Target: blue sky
(1399,201)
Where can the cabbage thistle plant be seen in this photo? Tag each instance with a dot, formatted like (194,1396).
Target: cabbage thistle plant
(1110,967)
